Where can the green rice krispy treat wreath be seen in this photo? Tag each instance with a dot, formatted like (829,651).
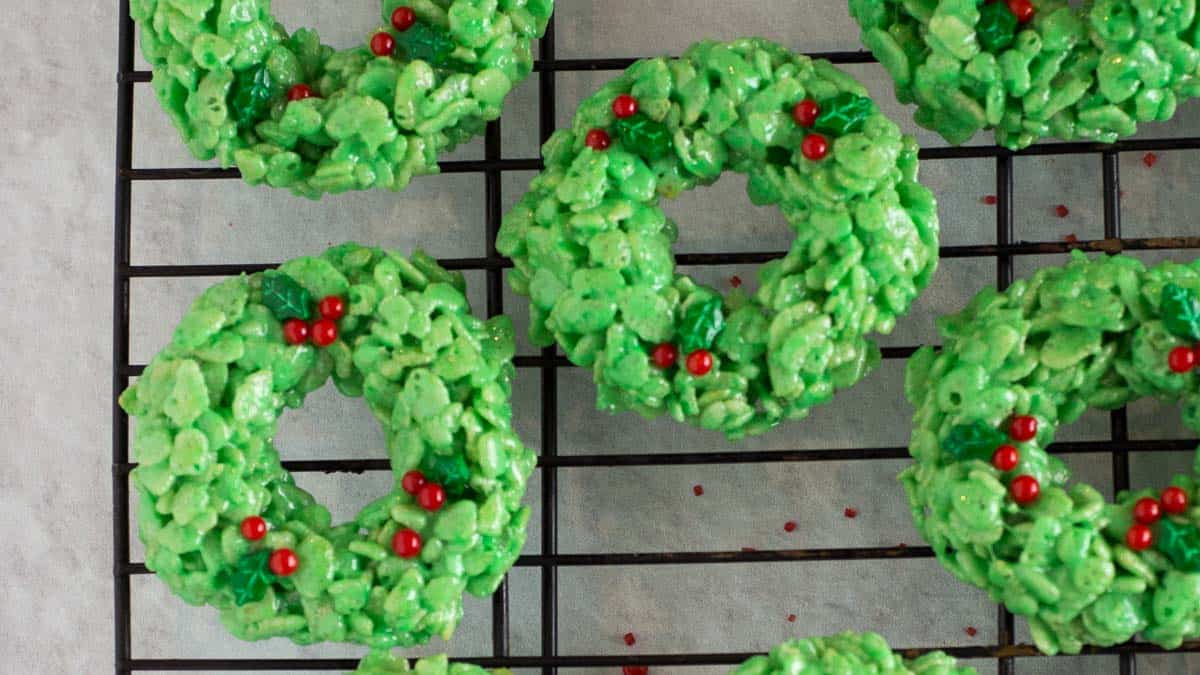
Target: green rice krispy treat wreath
(1031,69)
(996,507)
(223,522)
(592,247)
(291,112)
(843,654)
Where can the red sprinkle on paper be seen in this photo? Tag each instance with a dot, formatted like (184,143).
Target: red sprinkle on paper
(850,512)
(735,281)
(1071,238)
(789,526)
(971,631)
(635,670)
(990,200)
(1149,159)
(1062,211)
(697,490)
(630,639)
(791,618)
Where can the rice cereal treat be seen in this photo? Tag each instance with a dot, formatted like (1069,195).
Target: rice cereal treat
(1031,69)
(1000,511)
(291,112)
(592,246)
(224,524)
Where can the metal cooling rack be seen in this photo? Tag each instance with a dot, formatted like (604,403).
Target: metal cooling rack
(1005,650)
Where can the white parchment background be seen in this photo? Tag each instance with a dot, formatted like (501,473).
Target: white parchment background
(58,109)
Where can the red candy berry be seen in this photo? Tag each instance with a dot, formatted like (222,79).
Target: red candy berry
(1025,489)
(1149,159)
(331,307)
(412,482)
(635,670)
(791,618)
(254,528)
(735,281)
(597,139)
(630,639)
(406,543)
(806,112)
(789,526)
(1022,9)
(1181,359)
(1139,537)
(283,562)
(850,512)
(431,496)
(814,147)
(403,18)
(699,362)
(1147,511)
(324,332)
(383,44)
(1023,428)
(1006,458)
(698,490)
(624,106)
(665,355)
(1062,211)
(971,631)
(299,92)
(990,200)
(295,331)
(1174,500)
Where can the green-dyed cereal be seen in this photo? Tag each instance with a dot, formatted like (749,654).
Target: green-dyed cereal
(1014,366)
(290,112)
(436,377)
(842,654)
(1086,73)
(592,247)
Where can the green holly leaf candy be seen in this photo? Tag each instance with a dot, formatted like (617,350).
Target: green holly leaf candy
(1181,312)
(1181,543)
(997,27)
(976,440)
(250,577)
(701,324)
(423,42)
(844,114)
(285,297)
(250,97)
(449,471)
(644,137)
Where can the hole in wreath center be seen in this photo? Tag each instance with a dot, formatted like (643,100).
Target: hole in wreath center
(332,426)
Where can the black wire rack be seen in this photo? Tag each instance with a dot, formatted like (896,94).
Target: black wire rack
(1005,650)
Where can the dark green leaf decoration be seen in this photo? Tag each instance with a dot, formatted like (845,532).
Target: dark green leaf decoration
(976,440)
(251,577)
(997,27)
(423,42)
(285,297)
(701,324)
(449,471)
(844,114)
(1181,543)
(250,97)
(645,137)
(1181,312)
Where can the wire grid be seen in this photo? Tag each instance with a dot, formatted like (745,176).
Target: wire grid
(1005,650)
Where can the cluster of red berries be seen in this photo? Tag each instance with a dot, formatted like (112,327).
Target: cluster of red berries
(382,43)
(1183,359)
(283,561)
(1024,489)
(406,543)
(324,331)
(698,363)
(623,107)
(1147,511)
(814,146)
